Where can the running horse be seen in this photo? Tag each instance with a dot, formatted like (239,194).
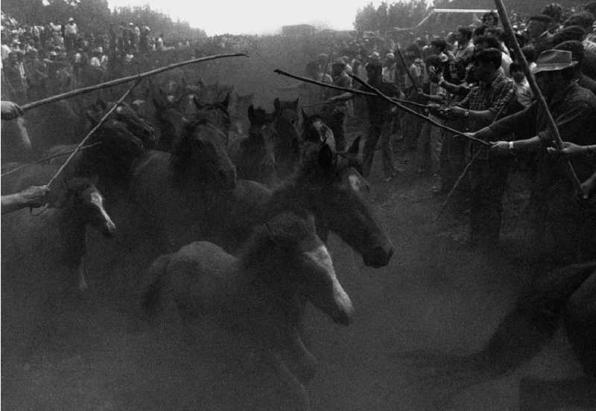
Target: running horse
(253,155)
(287,144)
(257,294)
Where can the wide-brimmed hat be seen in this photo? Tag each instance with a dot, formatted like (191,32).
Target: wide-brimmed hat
(553,60)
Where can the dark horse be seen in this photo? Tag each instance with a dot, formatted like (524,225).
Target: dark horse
(566,294)
(327,185)
(58,234)
(174,188)
(253,155)
(287,143)
(257,295)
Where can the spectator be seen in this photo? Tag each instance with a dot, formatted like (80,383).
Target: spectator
(523,92)
(71,31)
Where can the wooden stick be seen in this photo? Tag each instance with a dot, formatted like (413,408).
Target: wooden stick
(381,95)
(416,114)
(403,63)
(93,130)
(537,92)
(116,82)
(48,158)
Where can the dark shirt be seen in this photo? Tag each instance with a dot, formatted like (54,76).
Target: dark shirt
(493,96)
(574,111)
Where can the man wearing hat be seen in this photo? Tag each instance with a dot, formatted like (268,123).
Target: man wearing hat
(574,110)
(70,35)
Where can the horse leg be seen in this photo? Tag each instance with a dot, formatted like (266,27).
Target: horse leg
(287,376)
(82,271)
(541,395)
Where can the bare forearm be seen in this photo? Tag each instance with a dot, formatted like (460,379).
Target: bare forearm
(13,202)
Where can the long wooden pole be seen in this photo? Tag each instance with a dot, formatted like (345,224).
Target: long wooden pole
(377,93)
(415,113)
(127,79)
(48,158)
(93,130)
(537,92)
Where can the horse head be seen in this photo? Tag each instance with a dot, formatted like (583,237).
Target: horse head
(216,114)
(170,120)
(296,261)
(315,130)
(336,191)
(86,203)
(201,152)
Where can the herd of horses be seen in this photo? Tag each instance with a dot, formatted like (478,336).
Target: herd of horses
(228,206)
(237,209)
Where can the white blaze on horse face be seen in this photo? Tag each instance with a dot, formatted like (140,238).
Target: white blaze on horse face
(357,183)
(97,201)
(342,309)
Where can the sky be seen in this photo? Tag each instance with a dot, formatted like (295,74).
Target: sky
(255,16)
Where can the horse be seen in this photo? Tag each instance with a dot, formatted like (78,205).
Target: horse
(170,120)
(173,188)
(238,110)
(565,294)
(287,144)
(216,114)
(253,155)
(326,184)
(75,206)
(314,130)
(257,294)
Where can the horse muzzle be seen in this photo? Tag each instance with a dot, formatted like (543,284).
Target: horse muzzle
(378,256)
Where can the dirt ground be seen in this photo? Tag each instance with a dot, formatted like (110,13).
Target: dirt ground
(93,352)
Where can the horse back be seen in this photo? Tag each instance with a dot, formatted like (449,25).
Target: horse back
(201,274)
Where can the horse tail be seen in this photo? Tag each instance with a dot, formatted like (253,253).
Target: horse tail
(152,297)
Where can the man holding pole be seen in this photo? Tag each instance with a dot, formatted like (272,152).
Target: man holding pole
(488,175)
(574,109)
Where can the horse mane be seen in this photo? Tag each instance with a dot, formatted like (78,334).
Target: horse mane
(283,230)
(114,156)
(181,156)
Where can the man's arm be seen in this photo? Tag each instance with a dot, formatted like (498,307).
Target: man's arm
(11,110)
(34,196)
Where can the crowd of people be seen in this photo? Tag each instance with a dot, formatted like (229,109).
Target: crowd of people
(471,81)
(41,60)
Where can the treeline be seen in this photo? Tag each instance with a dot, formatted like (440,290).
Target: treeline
(95,16)
(407,13)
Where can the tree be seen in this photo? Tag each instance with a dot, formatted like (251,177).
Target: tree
(403,13)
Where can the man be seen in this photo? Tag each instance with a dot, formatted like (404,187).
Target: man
(538,30)
(577,53)
(488,175)
(574,109)
(34,196)
(70,35)
(36,73)
(335,112)
(379,116)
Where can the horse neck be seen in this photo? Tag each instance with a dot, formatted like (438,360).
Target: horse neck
(72,229)
(253,269)
(291,195)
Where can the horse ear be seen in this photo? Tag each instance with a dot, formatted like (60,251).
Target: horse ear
(355,146)
(304,115)
(276,104)
(196,102)
(91,117)
(325,156)
(226,101)
(297,102)
(251,113)
(100,103)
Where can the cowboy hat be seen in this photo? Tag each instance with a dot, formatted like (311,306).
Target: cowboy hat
(553,60)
